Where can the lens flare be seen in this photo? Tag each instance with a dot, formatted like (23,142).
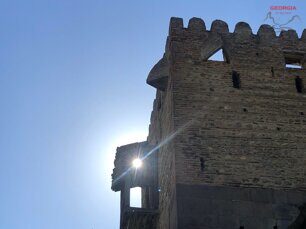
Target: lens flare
(137,163)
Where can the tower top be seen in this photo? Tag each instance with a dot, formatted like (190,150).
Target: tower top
(197,25)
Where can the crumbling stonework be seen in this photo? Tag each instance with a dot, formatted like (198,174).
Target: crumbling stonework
(229,136)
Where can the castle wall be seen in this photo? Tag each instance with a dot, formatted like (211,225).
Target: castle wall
(160,128)
(229,136)
(253,136)
(242,142)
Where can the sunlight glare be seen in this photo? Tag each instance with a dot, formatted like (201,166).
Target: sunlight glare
(124,139)
(137,163)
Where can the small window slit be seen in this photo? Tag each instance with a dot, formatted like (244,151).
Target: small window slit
(202,164)
(236,80)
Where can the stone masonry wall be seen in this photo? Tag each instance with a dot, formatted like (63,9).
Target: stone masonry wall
(160,128)
(253,136)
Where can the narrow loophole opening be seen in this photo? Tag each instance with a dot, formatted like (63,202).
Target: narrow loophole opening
(272,72)
(299,84)
(202,162)
(236,80)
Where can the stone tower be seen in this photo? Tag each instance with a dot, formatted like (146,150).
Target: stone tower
(227,140)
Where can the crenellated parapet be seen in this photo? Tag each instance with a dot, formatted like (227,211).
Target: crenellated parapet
(241,48)
(218,26)
(265,33)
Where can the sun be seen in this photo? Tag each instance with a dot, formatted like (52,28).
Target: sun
(137,163)
(107,159)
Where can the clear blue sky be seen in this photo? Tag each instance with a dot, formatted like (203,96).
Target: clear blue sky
(72,87)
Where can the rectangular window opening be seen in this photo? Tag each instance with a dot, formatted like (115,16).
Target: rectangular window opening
(295,66)
(135,197)
(293,60)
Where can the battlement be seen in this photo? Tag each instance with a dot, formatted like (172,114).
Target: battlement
(197,25)
(242,50)
(200,43)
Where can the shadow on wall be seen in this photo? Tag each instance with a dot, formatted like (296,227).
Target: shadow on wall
(300,222)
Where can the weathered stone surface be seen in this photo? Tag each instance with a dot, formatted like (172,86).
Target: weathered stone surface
(176,26)
(219,26)
(266,33)
(290,35)
(196,24)
(243,28)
